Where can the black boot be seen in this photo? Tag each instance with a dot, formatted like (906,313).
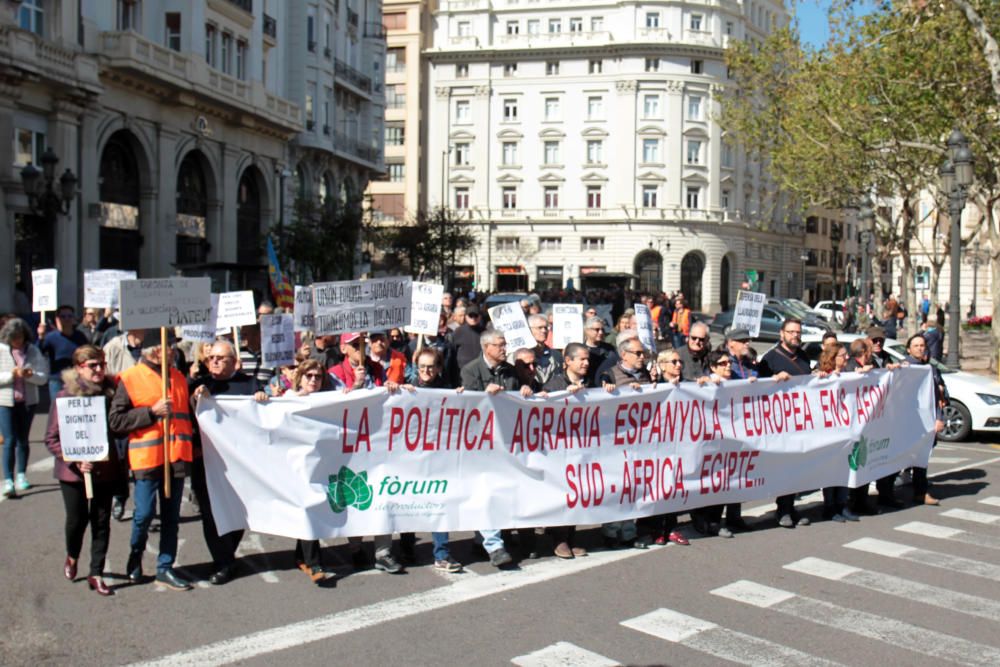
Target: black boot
(134,567)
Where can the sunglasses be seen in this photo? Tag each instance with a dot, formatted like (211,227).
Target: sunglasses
(676,362)
(313,376)
(218,357)
(878,340)
(724,362)
(95,365)
(426,368)
(637,353)
(700,339)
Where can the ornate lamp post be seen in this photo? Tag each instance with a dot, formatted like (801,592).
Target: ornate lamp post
(40,186)
(867,218)
(835,237)
(974,260)
(956,174)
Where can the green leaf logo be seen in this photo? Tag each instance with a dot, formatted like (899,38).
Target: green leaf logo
(859,454)
(349,489)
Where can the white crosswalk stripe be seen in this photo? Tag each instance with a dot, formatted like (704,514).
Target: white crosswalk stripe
(971,515)
(936,559)
(935,531)
(912,591)
(719,642)
(872,626)
(564,654)
(992,500)
(948,460)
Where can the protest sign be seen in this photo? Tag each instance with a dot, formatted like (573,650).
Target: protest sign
(100,287)
(277,341)
(164,302)
(567,324)
(303,308)
(361,305)
(372,463)
(83,428)
(236,309)
(207,332)
(425,308)
(644,325)
(508,319)
(749,310)
(44,290)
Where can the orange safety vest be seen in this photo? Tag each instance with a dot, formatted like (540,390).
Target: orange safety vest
(145,445)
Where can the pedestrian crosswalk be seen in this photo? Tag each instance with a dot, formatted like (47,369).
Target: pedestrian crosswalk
(820,606)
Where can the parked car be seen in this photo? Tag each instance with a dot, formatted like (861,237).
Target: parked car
(831,310)
(503,297)
(973,400)
(770,323)
(800,310)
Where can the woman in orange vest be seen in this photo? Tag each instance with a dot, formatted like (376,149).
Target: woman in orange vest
(680,323)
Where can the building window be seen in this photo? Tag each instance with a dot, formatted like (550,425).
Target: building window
(595,151)
(311,31)
(211,37)
(395,60)
(461,199)
(592,243)
(727,155)
(462,71)
(396,171)
(650,150)
(652,64)
(462,111)
(650,196)
(462,151)
(395,135)
(651,106)
(550,195)
(510,109)
(509,69)
(595,66)
(464,28)
(31,17)
(552,68)
(576,25)
(172,30)
(395,96)
(551,108)
(128,15)
(697,66)
(310,109)
(508,199)
(241,60)
(550,242)
(513,27)
(725,200)
(812,225)
(508,243)
(551,152)
(394,21)
(28,147)
(509,153)
(327,20)
(730,28)
(596,23)
(555,25)
(227,50)
(691,197)
(694,107)
(595,108)
(696,21)
(534,26)
(693,151)
(652,19)
(594,196)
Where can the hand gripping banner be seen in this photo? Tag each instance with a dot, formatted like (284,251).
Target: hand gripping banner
(366,463)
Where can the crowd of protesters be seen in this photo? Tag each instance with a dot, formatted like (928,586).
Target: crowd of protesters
(95,358)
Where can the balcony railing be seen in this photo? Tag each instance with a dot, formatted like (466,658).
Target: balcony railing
(352,76)
(270,27)
(676,213)
(348,144)
(375,30)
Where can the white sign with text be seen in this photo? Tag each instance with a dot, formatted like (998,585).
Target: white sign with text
(567,324)
(304,320)
(361,305)
(277,341)
(749,310)
(425,308)
(83,428)
(164,302)
(644,325)
(100,287)
(44,290)
(508,319)
(236,309)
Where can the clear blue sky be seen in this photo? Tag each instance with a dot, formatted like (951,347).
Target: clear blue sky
(812,18)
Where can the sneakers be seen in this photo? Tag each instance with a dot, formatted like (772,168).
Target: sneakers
(785,521)
(8,489)
(387,563)
(724,532)
(837,518)
(563,550)
(677,538)
(500,557)
(802,521)
(22,482)
(849,515)
(579,552)
(449,565)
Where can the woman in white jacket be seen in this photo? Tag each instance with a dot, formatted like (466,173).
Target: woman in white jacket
(23,369)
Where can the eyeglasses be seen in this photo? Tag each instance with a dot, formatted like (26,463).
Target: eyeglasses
(313,376)
(219,357)
(601,329)
(640,352)
(676,362)
(376,339)
(793,332)
(699,339)
(724,362)
(95,365)
(472,314)
(544,327)
(422,367)
(502,343)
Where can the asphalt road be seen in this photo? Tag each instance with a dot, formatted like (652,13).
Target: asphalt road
(919,586)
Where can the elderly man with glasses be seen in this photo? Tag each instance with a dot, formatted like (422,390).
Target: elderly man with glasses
(600,351)
(547,360)
(695,353)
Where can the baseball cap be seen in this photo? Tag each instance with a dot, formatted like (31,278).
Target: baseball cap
(875,332)
(349,337)
(738,334)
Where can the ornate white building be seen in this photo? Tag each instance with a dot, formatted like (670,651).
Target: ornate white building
(579,139)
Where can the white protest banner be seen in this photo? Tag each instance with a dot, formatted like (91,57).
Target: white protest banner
(425,308)
(164,302)
(207,332)
(644,325)
(749,310)
(508,319)
(236,309)
(277,340)
(44,290)
(83,428)
(361,305)
(100,287)
(303,308)
(567,324)
(371,463)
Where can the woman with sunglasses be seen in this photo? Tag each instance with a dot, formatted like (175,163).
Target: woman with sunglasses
(86,377)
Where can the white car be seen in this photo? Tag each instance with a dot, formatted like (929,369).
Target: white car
(973,400)
(833,311)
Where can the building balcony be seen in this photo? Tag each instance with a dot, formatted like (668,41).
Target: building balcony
(270,27)
(544,40)
(192,77)
(345,143)
(245,5)
(465,5)
(675,214)
(375,30)
(355,78)
(28,53)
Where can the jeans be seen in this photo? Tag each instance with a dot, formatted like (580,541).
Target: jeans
(146,493)
(492,540)
(15,423)
(441,550)
(80,512)
(680,340)
(55,386)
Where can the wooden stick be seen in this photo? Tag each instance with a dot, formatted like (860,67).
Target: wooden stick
(165,377)
(88,485)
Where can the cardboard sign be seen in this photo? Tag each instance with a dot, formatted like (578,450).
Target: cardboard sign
(644,325)
(361,305)
(207,332)
(83,428)
(749,310)
(277,341)
(100,287)
(567,324)
(164,302)
(425,308)
(508,318)
(236,309)
(44,290)
(303,310)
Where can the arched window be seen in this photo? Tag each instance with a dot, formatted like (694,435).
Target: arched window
(248,241)
(692,268)
(192,211)
(118,182)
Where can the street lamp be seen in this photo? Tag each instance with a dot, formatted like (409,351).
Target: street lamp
(956,174)
(836,235)
(40,186)
(974,260)
(867,218)
(805,258)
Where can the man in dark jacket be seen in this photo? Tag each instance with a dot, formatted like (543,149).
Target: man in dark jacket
(934,339)
(917,355)
(600,351)
(465,339)
(695,353)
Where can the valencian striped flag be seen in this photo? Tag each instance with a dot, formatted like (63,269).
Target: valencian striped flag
(281,288)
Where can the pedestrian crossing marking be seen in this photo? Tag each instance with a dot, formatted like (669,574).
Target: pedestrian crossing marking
(948,460)
(992,500)
(855,621)
(927,557)
(564,654)
(911,591)
(942,533)
(971,515)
